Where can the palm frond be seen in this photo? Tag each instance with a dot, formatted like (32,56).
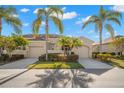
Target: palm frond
(11,10)
(55,10)
(115,20)
(115,14)
(86,23)
(17,30)
(2,11)
(110,29)
(41,12)
(36,25)
(58,23)
(92,19)
(102,13)
(15,23)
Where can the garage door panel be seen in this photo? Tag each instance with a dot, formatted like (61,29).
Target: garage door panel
(82,52)
(35,51)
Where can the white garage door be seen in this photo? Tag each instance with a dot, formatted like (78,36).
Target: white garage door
(35,51)
(83,52)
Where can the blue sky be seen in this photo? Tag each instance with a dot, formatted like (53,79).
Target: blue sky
(74,15)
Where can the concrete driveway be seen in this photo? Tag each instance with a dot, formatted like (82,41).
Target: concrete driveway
(39,78)
(20,64)
(93,64)
(95,75)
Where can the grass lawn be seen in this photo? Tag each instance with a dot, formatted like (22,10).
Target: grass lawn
(118,62)
(55,65)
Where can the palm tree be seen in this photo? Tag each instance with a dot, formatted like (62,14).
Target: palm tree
(103,20)
(64,42)
(68,43)
(46,14)
(7,15)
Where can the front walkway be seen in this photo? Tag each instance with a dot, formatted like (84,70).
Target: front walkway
(93,64)
(20,64)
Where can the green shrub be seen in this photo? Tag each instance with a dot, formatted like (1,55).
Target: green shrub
(16,57)
(4,57)
(94,54)
(60,57)
(122,57)
(104,57)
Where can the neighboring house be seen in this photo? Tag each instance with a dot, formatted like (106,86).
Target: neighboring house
(106,46)
(37,46)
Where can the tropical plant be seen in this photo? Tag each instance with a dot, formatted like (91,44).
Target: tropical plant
(1,41)
(1,44)
(118,43)
(75,43)
(20,41)
(46,14)
(64,42)
(7,15)
(8,45)
(104,20)
(68,43)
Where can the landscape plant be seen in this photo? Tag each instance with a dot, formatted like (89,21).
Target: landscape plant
(7,15)
(20,41)
(68,43)
(118,43)
(11,43)
(51,13)
(103,21)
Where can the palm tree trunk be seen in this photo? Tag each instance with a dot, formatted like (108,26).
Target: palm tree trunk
(46,37)
(0,25)
(100,38)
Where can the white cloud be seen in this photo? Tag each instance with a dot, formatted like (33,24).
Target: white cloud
(96,36)
(70,15)
(107,33)
(67,15)
(43,23)
(25,10)
(83,20)
(119,8)
(116,33)
(91,31)
(36,10)
(64,8)
(25,24)
(78,22)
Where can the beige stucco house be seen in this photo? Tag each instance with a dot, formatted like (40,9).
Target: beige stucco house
(37,47)
(106,46)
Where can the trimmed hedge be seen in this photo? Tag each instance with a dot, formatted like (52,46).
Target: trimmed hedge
(16,57)
(5,58)
(107,57)
(94,54)
(60,57)
(113,54)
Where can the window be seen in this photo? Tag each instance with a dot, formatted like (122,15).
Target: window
(51,46)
